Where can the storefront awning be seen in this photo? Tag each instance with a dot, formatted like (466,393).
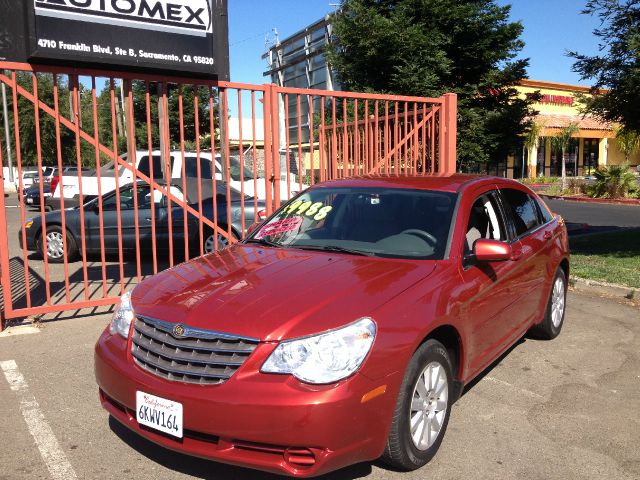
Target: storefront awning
(590,127)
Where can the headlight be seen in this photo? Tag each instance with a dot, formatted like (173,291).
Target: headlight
(121,321)
(29,224)
(324,358)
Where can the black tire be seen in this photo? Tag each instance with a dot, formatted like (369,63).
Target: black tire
(56,231)
(401,452)
(551,325)
(208,242)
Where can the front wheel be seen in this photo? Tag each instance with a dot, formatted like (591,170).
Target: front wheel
(55,245)
(422,411)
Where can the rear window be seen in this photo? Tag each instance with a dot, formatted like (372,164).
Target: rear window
(523,209)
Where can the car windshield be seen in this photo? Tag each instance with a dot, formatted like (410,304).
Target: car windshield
(385,222)
(235,173)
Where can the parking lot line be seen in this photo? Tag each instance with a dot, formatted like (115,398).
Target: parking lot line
(53,456)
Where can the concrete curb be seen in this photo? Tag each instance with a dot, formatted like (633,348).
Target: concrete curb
(624,201)
(603,288)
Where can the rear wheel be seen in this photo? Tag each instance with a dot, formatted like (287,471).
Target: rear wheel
(422,410)
(210,240)
(55,245)
(550,327)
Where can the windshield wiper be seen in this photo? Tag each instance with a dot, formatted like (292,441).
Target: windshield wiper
(334,248)
(263,241)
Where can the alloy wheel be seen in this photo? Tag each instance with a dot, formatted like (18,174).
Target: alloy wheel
(557,302)
(429,405)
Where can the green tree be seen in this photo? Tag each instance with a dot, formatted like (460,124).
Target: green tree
(628,142)
(428,48)
(561,142)
(617,67)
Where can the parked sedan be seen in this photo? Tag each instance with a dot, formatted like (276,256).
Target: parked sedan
(342,329)
(32,194)
(162,208)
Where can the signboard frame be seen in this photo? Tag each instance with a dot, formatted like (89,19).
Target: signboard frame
(181,37)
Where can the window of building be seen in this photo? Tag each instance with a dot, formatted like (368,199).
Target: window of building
(590,155)
(570,159)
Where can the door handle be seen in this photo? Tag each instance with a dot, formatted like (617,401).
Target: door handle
(548,234)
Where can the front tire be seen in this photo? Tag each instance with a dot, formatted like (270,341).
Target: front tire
(422,410)
(550,327)
(55,245)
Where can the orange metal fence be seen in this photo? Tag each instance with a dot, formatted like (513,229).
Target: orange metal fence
(162,169)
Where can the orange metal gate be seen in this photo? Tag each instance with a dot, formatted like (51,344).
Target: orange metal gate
(225,155)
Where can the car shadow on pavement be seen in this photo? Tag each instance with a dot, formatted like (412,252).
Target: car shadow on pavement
(469,386)
(207,469)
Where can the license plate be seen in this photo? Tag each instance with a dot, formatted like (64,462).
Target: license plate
(159,413)
(29,200)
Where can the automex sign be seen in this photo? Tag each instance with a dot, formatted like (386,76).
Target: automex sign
(177,36)
(187,17)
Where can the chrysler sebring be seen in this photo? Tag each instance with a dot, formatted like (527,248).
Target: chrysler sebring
(342,329)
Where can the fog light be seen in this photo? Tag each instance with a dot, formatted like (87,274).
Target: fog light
(299,457)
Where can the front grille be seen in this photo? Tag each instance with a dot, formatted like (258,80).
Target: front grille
(190,355)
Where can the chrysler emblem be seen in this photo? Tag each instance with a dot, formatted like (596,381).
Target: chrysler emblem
(178,330)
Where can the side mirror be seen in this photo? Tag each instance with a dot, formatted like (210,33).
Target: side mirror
(486,250)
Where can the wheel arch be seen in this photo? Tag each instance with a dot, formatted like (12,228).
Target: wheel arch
(564,265)
(449,336)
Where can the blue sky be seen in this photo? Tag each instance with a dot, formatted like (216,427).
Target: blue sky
(551,28)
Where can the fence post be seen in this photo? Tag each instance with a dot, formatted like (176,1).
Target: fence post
(5,271)
(275,141)
(450,123)
(268,139)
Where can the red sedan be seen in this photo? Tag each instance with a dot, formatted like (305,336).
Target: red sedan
(342,329)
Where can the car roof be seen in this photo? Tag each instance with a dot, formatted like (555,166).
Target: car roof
(448,183)
(206,188)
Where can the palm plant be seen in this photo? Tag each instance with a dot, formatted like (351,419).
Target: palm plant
(614,181)
(531,136)
(561,142)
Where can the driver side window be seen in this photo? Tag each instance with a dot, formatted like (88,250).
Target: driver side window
(484,222)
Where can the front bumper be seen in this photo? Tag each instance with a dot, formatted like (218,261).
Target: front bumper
(267,422)
(30,238)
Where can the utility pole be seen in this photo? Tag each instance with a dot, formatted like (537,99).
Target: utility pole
(6,132)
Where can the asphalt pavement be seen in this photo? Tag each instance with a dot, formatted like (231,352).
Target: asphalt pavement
(598,216)
(564,409)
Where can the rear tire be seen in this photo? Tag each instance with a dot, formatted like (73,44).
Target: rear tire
(422,410)
(209,241)
(55,247)
(550,327)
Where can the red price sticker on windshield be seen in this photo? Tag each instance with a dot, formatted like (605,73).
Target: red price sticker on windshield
(281,226)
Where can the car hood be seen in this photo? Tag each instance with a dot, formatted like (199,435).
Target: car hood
(273,294)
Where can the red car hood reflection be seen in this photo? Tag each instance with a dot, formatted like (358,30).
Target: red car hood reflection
(273,294)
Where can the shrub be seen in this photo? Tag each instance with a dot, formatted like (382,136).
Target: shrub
(613,181)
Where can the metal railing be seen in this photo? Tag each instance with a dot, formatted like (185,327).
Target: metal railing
(215,152)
